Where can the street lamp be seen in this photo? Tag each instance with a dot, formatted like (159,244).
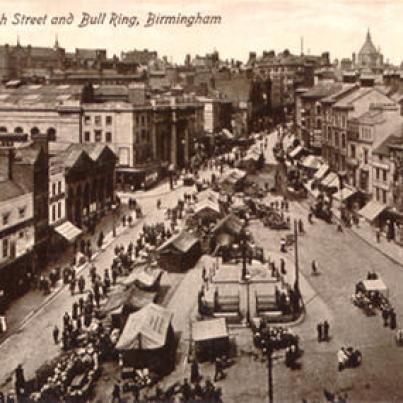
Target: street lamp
(114,208)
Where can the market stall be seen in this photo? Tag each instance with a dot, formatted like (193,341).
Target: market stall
(211,338)
(180,252)
(148,340)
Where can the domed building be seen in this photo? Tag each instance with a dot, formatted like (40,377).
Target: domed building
(369,58)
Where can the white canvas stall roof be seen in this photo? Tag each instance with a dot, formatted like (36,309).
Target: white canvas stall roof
(344,194)
(372,210)
(375,285)
(208,195)
(297,150)
(207,205)
(183,242)
(145,329)
(209,329)
(321,172)
(311,161)
(68,231)
(331,180)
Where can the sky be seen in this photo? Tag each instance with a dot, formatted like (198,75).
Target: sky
(337,26)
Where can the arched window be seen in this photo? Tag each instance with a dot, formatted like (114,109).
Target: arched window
(34,130)
(18,130)
(3,129)
(51,134)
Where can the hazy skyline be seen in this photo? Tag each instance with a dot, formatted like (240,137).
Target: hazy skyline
(337,26)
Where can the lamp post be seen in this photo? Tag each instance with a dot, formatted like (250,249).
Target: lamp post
(244,278)
(114,207)
(270,368)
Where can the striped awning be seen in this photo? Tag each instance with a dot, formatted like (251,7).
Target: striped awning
(372,210)
(68,231)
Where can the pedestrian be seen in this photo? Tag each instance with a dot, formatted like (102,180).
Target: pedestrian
(81,284)
(326,327)
(314,268)
(310,218)
(339,227)
(72,286)
(194,371)
(81,305)
(116,393)
(282,267)
(378,235)
(74,313)
(300,226)
(319,329)
(385,316)
(393,323)
(186,390)
(56,334)
(218,369)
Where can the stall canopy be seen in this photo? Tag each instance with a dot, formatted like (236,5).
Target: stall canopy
(372,210)
(344,194)
(331,180)
(207,205)
(209,329)
(376,285)
(208,195)
(181,242)
(311,162)
(68,231)
(231,223)
(321,172)
(296,151)
(146,329)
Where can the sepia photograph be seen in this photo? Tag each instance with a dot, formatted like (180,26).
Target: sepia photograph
(201,201)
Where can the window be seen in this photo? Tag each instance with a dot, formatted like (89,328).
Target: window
(3,129)
(137,120)
(97,120)
(352,151)
(59,187)
(18,130)
(377,173)
(34,130)
(59,209)
(21,234)
(343,140)
(385,175)
(21,212)
(108,120)
(53,213)
(87,136)
(384,196)
(108,137)
(98,135)
(377,194)
(5,247)
(87,120)
(142,120)
(365,156)
(53,189)
(6,217)
(51,134)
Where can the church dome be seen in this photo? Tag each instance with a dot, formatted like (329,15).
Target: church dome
(368,48)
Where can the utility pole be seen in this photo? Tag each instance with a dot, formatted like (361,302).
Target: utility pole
(270,369)
(296,284)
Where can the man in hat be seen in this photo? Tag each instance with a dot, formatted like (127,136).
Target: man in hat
(218,370)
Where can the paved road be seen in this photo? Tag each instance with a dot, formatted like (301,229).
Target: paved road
(344,259)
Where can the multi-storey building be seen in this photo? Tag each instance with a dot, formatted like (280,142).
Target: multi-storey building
(24,206)
(364,134)
(338,109)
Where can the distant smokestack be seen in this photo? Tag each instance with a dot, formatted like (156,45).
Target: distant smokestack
(302,45)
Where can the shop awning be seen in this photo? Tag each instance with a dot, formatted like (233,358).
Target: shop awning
(321,172)
(68,231)
(331,180)
(372,210)
(296,151)
(344,194)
